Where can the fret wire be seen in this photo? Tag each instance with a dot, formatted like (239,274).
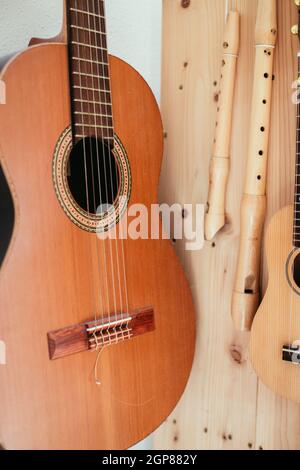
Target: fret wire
(82,136)
(82,44)
(94,125)
(89,61)
(79,100)
(81,28)
(100,90)
(87,13)
(83,54)
(78,113)
(91,75)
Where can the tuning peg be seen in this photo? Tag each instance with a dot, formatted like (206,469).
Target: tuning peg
(295,28)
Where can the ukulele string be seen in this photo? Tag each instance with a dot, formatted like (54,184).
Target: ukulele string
(296,173)
(295,236)
(107,118)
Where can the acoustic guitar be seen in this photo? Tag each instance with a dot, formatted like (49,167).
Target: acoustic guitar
(275,335)
(98,332)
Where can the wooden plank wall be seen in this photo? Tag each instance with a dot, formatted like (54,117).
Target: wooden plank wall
(225,406)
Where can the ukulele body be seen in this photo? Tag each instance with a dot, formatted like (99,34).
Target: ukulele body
(50,277)
(277,322)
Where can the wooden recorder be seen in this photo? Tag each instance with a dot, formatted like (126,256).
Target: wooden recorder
(247,292)
(220,162)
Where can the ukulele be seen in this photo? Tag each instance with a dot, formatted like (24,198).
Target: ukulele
(275,334)
(98,331)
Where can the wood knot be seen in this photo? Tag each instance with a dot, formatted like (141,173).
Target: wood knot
(236,354)
(185,3)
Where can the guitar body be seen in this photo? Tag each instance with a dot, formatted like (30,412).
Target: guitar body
(51,277)
(277,322)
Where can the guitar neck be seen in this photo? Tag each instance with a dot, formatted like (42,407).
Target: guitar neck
(91,102)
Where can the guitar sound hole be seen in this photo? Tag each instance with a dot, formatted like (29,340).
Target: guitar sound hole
(93,174)
(296,270)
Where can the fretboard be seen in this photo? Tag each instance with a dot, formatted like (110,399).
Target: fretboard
(296,232)
(91,101)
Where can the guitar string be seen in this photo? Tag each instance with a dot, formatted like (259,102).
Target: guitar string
(84,146)
(105,60)
(290,342)
(116,241)
(92,62)
(104,135)
(121,241)
(83,134)
(106,118)
(114,336)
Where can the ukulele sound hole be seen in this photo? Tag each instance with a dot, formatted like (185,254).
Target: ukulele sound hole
(296,270)
(7,216)
(93,174)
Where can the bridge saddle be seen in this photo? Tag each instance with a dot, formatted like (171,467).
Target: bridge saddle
(96,334)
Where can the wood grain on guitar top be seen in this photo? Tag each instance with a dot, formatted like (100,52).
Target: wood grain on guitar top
(50,277)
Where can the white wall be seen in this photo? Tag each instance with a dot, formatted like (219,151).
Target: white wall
(134,34)
(134,30)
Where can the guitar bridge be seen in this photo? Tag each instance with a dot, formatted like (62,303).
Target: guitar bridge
(105,331)
(291,353)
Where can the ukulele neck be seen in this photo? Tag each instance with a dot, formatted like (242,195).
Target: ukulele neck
(296,232)
(90,91)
